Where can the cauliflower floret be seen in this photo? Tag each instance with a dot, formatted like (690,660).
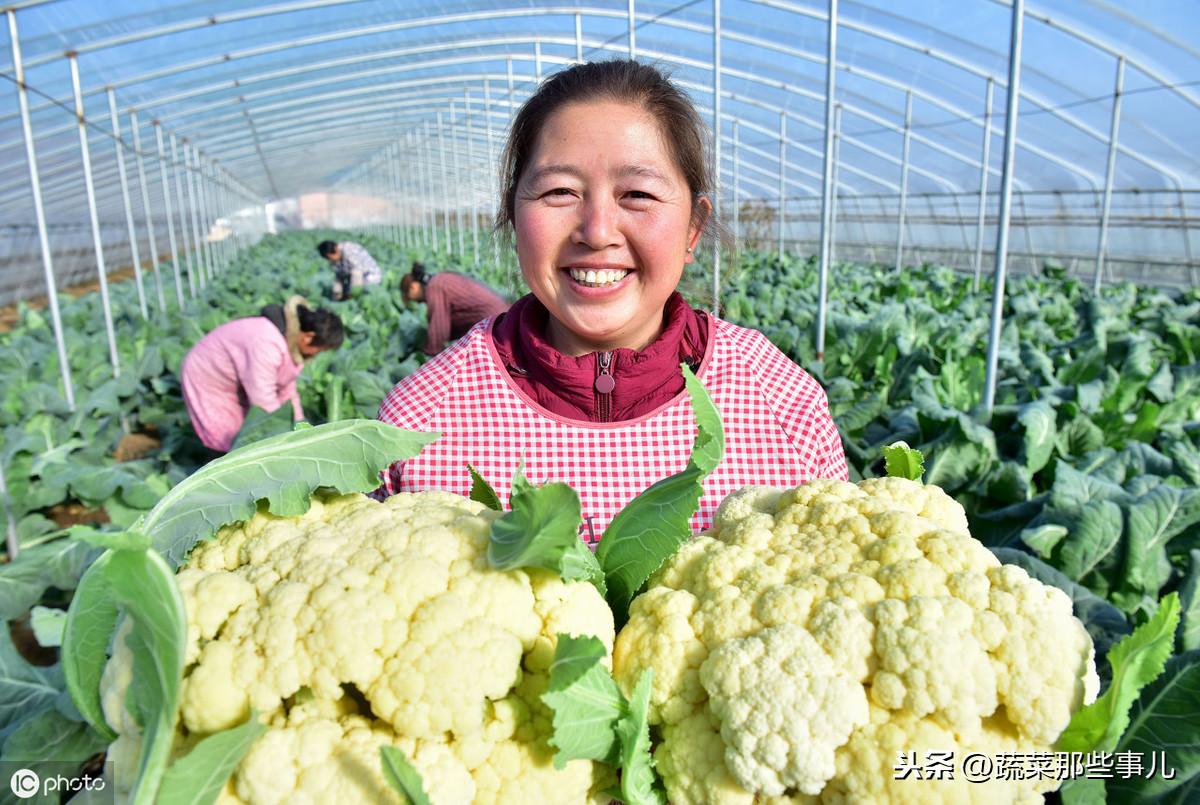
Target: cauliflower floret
(362,624)
(784,709)
(887,606)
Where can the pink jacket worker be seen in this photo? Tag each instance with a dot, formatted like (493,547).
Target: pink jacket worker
(252,361)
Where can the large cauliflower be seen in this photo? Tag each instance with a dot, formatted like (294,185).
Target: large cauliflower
(816,633)
(362,624)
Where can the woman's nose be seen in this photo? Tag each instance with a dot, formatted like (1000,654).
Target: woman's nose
(599,224)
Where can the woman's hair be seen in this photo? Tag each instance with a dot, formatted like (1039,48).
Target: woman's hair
(325,326)
(326,248)
(417,275)
(624,81)
(406,282)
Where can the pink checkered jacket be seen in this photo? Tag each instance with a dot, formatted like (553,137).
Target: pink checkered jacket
(778,431)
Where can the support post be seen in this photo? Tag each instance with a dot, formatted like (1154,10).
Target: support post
(194,216)
(94,216)
(441,132)
(166,192)
(985,161)
(632,32)
(436,192)
(183,216)
(782,211)
(457,181)
(134,251)
(400,233)
(39,211)
(578,39)
(1006,182)
(473,196)
(493,181)
(904,180)
(837,163)
(145,194)
(737,181)
(716,272)
(827,185)
(1109,173)
(203,193)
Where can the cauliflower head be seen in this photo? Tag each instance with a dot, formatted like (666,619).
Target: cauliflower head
(815,633)
(362,624)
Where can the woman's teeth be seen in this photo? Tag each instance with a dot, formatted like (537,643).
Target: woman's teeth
(597,279)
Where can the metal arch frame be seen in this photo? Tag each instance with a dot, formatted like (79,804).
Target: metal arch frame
(849,166)
(420,82)
(577,14)
(835,66)
(966,116)
(780,85)
(372,30)
(813,190)
(64,190)
(983,73)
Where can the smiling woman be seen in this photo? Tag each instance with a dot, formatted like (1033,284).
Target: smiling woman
(605,191)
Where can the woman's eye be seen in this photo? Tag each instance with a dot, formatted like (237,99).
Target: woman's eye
(558,191)
(639,195)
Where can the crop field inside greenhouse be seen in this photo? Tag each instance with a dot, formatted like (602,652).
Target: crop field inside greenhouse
(701,403)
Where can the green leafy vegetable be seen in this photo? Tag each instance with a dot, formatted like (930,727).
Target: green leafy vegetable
(90,623)
(654,524)
(1163,720)
(542,530)
(48,741)
(586,702)
(901,461)
(402,777)
(1189,596)
(198,777)
(284,470)
(260,424)
(54,564)
(482,492)
(1136,661)
(24,688)
(639,784)
(144,587)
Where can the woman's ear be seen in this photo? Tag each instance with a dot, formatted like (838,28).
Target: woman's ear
(304,340)
(700,215)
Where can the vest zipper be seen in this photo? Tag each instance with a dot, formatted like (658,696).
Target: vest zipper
(604,385)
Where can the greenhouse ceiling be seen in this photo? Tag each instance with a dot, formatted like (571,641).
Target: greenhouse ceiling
(271,101)
(288,96)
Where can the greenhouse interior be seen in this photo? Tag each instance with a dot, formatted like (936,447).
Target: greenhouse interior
(327,305)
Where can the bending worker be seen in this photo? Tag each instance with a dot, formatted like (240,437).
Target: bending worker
(455,303)
(353,267)
(252,361)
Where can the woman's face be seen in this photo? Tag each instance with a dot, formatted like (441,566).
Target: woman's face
(603,221)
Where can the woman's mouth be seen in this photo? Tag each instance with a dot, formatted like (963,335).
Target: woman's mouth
(598,278)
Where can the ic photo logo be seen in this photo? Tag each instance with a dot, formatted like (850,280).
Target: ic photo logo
(25,783)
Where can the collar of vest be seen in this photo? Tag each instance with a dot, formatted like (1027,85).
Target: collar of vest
(565,384)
